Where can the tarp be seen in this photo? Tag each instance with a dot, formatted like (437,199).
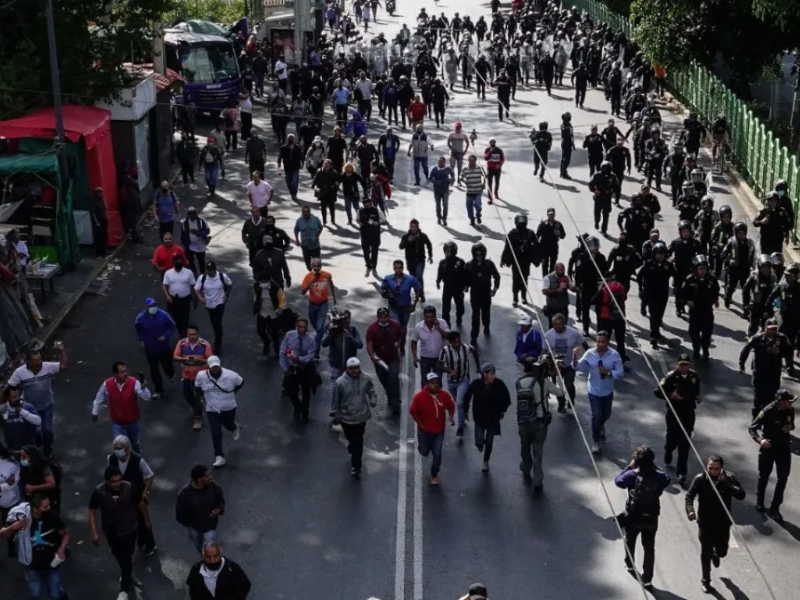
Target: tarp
(24,163)
(92,126)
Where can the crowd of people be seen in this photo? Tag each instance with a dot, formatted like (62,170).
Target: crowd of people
(531,48)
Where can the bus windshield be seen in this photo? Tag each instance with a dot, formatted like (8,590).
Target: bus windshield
(214,63)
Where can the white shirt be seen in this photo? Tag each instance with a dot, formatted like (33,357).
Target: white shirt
(179,283)
(366,88)
(246,105)
(37,388)
(259,194)
(213,288)
(196,242)
(23,255)
(218,393)
(9,493)
(430,341)
(280,70)
(210,577)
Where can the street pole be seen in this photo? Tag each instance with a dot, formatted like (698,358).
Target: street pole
(61,147)
(300,15)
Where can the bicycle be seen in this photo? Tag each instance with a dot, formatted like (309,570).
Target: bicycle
(721,161)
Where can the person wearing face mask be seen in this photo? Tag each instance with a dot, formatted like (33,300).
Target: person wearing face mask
(521,250)
(195,236)
(217,577)
(138,473)
(115,499)
(122,394)
(216,388)
(155,329)
(177,285)
(755,292)
(270,264)
(623,260)
(280,238)
(786,203)
(770,350)
(654,278)
(18,420)
(713,523)
(482,280)
(42,540)
(165,209)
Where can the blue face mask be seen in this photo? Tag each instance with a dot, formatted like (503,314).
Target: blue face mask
(781,193)
(119,453)
(24,463)
(152,310)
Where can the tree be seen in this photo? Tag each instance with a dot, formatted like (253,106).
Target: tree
(674,33)
(216,11)
(93,37)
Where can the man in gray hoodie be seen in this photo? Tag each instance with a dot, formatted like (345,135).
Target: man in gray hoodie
(354,394)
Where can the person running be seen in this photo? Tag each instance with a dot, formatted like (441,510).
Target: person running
(428,409)
(353,396)
(492,400)
(192,352)
(216,389)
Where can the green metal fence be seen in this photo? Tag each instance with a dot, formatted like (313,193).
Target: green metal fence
(759,156)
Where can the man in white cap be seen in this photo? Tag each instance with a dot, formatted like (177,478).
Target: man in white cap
(218,387)
(477,591)
(354,395)
(528,346)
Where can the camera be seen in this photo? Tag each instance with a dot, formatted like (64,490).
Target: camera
(336,319)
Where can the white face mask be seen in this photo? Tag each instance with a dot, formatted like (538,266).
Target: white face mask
(152,310)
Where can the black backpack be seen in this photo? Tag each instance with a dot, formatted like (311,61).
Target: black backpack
(644,499)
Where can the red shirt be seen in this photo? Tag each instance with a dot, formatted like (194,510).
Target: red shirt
(385,340)
(495,158)
(417,110)
(428,411)
(163,257)
(606,303)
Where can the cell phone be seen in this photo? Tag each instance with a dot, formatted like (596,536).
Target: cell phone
(141,378)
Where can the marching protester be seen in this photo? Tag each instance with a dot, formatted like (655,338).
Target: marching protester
(216,389)
(428,409)
(122,394)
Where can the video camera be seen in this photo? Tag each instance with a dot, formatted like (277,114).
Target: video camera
(336,318)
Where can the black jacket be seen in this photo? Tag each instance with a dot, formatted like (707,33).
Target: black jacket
(416,248)
(522,246)
(490,401)
(232,583)
(452,272)
(291,157)
(709,512)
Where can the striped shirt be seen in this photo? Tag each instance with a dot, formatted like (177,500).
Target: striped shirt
(458,361)
(474,180)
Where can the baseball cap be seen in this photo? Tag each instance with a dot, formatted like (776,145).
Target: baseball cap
(785,395)
(551,211)
(353,362)
(191,209)
(150,302)
(478,590)
(213,361)
(684,359)
(525,320)
(771,323)
(487,366)
(433,376)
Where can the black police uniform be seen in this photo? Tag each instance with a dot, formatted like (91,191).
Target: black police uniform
(672,168)
(740,256)
(654,280)
(704,223)
(755,292)
(769,354)
(682,251)
(655,150)
(788,295)
(603,185)
(636,221)
(452,273)
(586,280)
(542,141)
(720,235)
(593,143)
(775,227)
(703,292)
(620,159)
(549,235)
(775,425)
(688,207)
(479,278)
(521,249)
(688,388)
(623,260)
(567,146)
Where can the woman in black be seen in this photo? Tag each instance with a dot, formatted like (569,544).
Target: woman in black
(326,185)
(351,181)
(36,475)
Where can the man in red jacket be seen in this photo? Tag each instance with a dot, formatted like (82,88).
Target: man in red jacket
(495,158)
(611,314)
(428,410)
(122,394)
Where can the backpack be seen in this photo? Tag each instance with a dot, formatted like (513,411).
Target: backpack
(527,400)
(644,499)
(226,288)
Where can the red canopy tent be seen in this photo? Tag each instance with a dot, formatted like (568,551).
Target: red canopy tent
(91,124)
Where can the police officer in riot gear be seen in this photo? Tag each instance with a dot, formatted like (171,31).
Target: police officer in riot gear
(542,141)
(654,278)
(620,158)
(681,390)
(755,292)
(787,296)
(776,258)
(655,151)
(603,185)
(774,224)
(482,282)
(623,260)
(587,265)
(549,233)
(593,143)
(698,178)
(672,169)
(574,262)
(771,349)
(782,190)
(682,250)
(452,273)
(722,232)
(704,224)
(738,256)
(521,249)
(701,293)
(688,203)
(567,143)
(636,221)
(771,429)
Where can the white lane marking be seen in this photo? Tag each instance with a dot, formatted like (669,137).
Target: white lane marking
(732,540)
(417,515)
(402,491)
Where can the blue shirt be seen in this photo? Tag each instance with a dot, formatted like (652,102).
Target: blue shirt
(165,206)
(151,327)
(402,292)
(529,343)
(307,230)
(590,363)
(341,96)
(303,348)
(626,480)
(441,178)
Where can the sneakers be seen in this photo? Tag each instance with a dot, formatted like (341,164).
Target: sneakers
(197,424)
(602,432)
(485,467)
(595,449)
(220,461)
(123,595)
(775,515)
(434,480)
(155,396)
(460,431)
(355,472)
(706,587)
(238,433)
(150,551)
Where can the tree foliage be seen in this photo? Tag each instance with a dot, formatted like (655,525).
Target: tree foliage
(216,11)
(675,32)
(93,38)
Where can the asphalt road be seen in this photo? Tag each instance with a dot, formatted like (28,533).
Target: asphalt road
(303,528)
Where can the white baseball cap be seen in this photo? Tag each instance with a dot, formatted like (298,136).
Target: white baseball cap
(353,362)
(213,361)
(525,320)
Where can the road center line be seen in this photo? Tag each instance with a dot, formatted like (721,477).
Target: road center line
(402,492)
(417,514)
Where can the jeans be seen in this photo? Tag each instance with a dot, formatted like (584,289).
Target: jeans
(428,365)
(632,532)
(401,314)
(484,439)
(190,395)
(428,443)
(390,380)
(218,420)
(201,537)
(316,316)
(336,372)
(130,431)
(568,373)
(122,549)
(442,200)
(308,254)
(420,161)
(292,182)
(350,204)
(458,389)
(212,175)
(44,584)
(45,438)
(354,434)
(418,271)
(474,206)
(601,412)
(164,361)
(531,441)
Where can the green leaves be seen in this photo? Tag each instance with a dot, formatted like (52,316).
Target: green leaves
(216,11)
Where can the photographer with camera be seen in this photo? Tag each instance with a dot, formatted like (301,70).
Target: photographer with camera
(344,342)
